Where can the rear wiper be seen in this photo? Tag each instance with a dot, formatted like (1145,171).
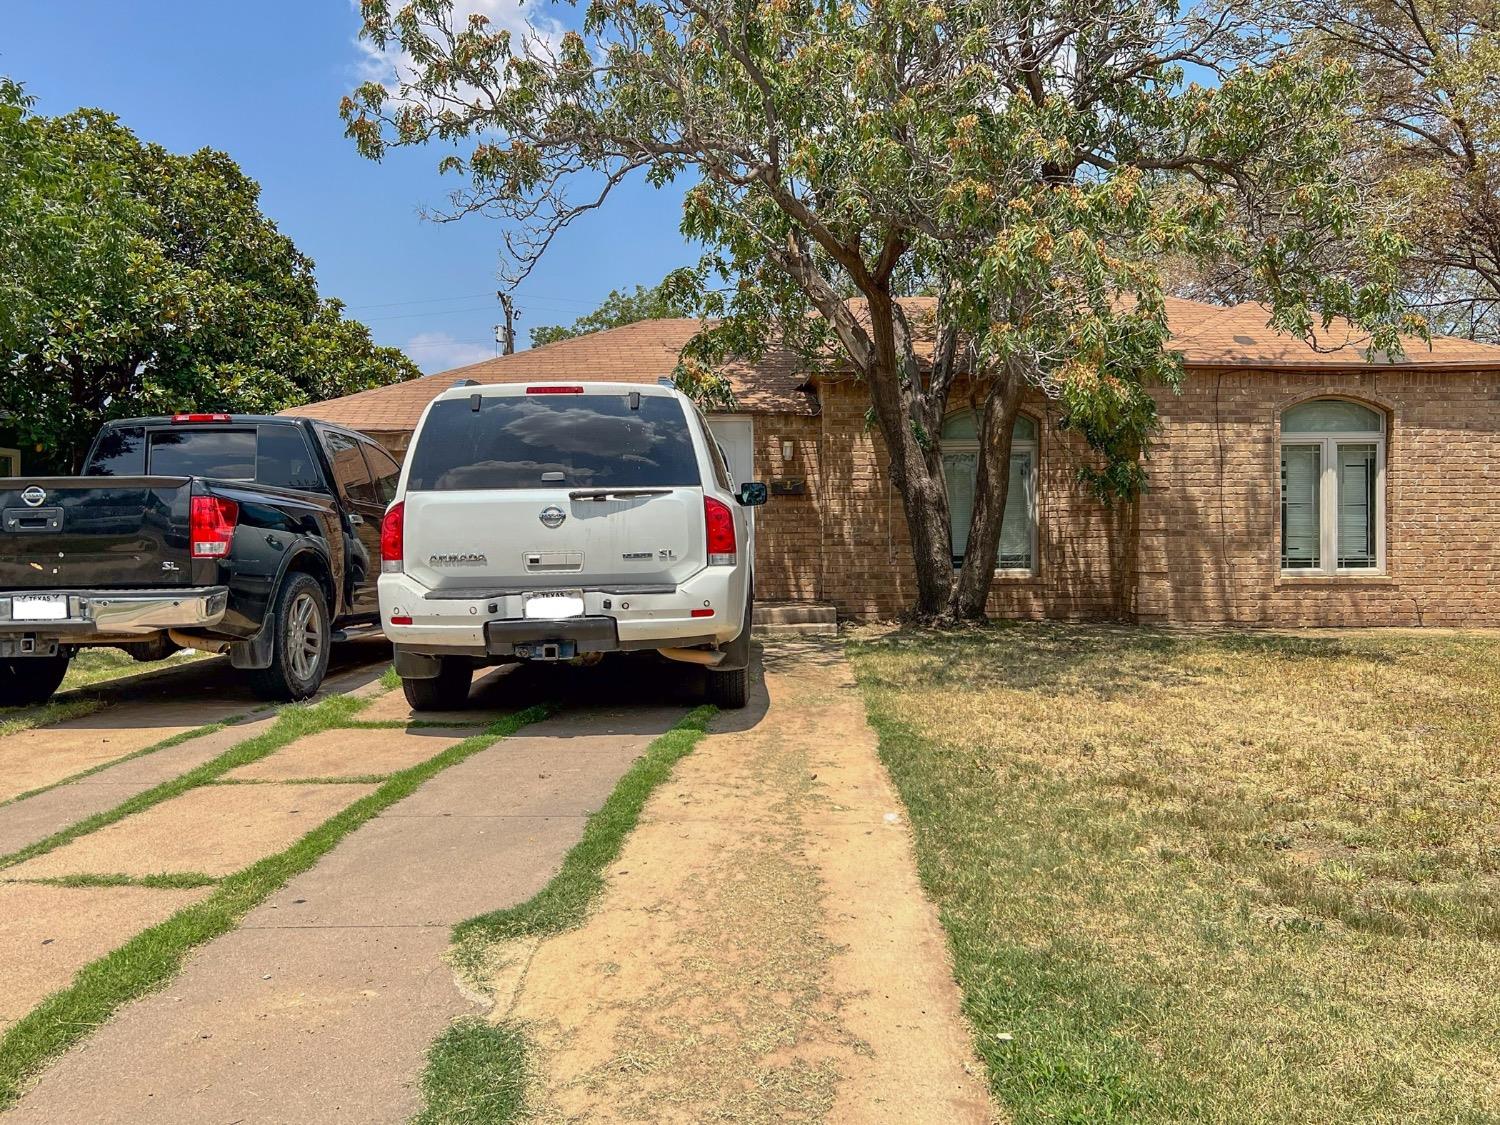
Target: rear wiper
(607,493)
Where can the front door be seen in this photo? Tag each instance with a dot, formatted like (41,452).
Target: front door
(736,434)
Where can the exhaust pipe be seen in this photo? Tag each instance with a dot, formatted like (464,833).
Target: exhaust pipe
(202,644)
(693,656)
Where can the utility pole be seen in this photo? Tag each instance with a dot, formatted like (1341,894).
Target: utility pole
(505,335)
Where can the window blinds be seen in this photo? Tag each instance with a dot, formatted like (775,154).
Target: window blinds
(959,470)
(1301,469)
(1356,528)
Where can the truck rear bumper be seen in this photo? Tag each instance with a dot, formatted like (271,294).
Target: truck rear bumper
(113,613)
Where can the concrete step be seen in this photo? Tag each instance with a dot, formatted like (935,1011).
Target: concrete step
(792,619)
(805,629)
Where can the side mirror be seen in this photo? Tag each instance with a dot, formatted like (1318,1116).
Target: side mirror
(752,494)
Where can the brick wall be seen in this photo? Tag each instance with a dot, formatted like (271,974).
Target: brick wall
(866,566)
(1209,536)
(1202,545)
(788,530)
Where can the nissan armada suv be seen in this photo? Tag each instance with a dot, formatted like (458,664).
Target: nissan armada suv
(559,522)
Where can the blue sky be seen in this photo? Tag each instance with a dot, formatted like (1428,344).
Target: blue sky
(265,88)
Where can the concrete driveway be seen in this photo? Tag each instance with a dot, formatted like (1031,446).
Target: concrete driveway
(320,1005)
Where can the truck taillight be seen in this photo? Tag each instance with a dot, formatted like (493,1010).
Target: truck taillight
(719,521)
(393,539)
(211,521)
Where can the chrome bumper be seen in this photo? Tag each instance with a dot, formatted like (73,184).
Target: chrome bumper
(121,612)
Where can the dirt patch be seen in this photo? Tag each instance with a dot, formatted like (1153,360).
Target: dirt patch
(34,758)
(763,952)
(48,933)
(214,829)
(349,752)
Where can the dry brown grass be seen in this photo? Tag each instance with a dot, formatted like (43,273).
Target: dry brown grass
(1216,876)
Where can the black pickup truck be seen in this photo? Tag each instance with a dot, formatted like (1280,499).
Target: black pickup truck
(255,536)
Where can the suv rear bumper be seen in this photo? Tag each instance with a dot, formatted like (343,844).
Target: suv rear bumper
(447,623)
(115,613)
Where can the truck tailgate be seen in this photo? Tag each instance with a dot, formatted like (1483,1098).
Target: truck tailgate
(94,532)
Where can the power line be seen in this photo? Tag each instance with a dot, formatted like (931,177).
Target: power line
(521,299)
(431,313)
(420,301)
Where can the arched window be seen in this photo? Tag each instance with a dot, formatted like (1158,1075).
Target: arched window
(960,465)
(1332,488)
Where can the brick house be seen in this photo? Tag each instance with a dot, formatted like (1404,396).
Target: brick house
(1290,484)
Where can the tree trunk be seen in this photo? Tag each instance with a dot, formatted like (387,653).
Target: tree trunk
(915,461)
(991,484)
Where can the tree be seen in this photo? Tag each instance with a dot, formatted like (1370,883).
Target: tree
(134,280)
(1028,164)
(1427,139)
(659,302)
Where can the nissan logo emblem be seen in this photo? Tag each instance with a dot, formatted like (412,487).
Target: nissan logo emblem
(34,496)
(552,516)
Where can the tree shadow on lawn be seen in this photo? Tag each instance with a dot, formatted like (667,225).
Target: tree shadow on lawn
(1104,661)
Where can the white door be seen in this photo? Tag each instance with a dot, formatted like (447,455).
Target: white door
(736,434)
(10,463)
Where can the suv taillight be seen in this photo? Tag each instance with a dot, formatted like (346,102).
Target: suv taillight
(393,539)
(719,521)
(211,521)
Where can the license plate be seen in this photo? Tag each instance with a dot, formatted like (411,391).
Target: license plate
(552,607)
(39,607)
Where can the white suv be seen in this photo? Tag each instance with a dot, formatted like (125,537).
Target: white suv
(560,522)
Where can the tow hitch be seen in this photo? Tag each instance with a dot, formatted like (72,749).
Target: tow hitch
(548,650)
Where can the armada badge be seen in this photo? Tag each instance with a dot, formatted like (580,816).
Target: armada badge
(457,560)
(552,516)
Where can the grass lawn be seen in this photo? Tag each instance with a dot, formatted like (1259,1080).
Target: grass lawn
(1210,876)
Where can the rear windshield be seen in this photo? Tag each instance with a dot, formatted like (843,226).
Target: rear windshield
(278,456)
(554,441)
(224,454)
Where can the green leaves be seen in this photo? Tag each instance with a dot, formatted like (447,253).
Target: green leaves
(134,280)
(1036,167)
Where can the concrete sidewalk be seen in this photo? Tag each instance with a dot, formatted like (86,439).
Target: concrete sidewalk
(54,752)
(321,1006)
(764,952)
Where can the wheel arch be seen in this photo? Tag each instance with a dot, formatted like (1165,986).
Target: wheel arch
(309,559)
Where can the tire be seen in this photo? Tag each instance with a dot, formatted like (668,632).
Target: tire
(299,646)
(447,691)
(729,690)
(29,680)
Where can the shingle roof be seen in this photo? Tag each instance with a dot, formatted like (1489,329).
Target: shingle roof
(1237,335)
(636,353)
(1207,335)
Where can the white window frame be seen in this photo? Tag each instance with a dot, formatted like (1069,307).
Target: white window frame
(14,457)
(1033,447)
(1328,493)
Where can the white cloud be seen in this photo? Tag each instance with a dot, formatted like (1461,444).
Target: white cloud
(438,351)
(525,21)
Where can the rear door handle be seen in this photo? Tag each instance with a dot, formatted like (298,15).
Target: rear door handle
(355,517)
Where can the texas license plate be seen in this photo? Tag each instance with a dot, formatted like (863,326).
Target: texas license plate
(552,606)
(39,607)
